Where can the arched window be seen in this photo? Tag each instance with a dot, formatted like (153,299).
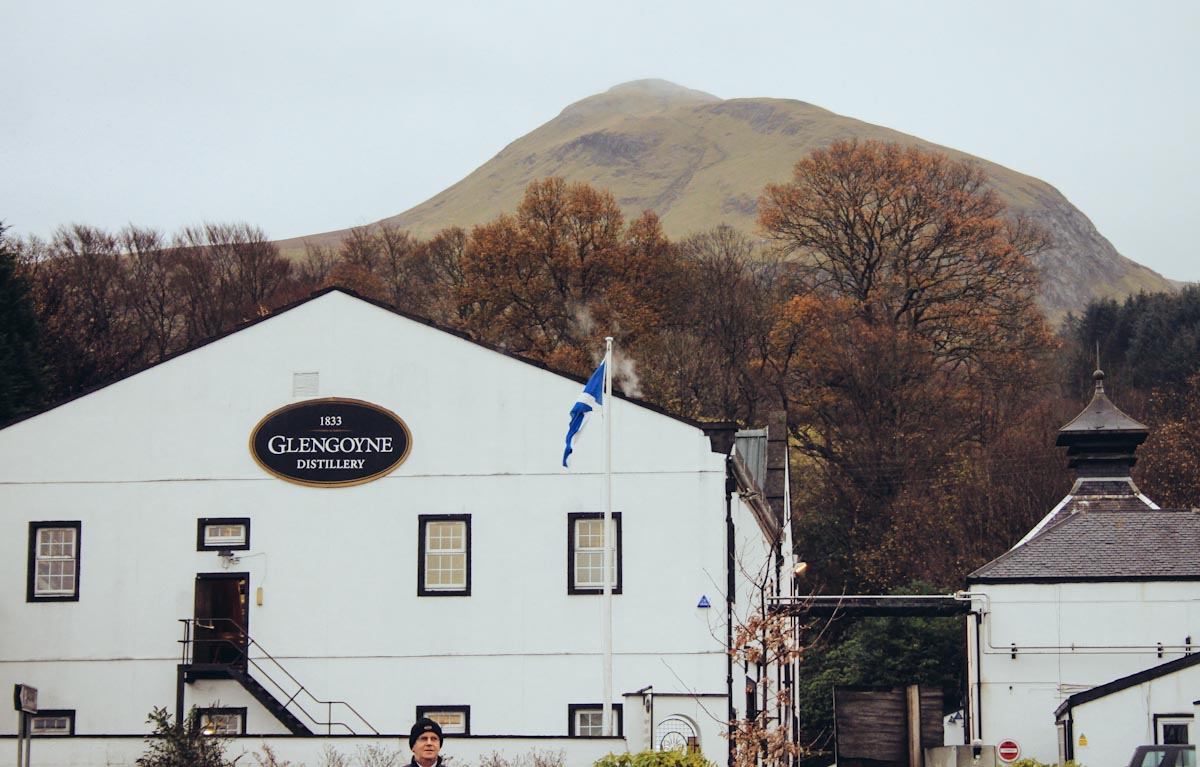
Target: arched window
(676,733)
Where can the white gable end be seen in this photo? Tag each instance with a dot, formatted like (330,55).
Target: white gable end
(468,408)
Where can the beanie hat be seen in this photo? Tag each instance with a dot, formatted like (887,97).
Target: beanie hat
(423,725)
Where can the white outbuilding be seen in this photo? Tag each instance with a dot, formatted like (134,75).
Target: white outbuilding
(1081,637)
(338,518)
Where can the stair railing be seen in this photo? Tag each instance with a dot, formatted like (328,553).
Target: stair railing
(262,662)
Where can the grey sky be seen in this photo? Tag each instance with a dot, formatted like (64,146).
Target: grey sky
(303,116)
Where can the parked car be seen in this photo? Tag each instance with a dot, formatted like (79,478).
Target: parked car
(1164,756)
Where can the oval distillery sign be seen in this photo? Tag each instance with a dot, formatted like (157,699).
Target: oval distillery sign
(330,442)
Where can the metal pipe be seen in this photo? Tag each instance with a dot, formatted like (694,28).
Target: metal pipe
(993,649)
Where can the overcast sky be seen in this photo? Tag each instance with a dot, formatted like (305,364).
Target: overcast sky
(303,116)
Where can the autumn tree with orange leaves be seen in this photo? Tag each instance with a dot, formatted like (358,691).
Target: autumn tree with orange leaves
(913,333)
(565,271)
(1169,464)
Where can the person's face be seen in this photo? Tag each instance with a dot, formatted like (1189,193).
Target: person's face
(427,747)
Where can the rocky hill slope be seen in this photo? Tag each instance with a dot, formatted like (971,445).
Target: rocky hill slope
(699,161)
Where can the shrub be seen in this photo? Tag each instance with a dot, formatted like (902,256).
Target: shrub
(268,759)
(535,758)
(378,756)
(331,757)
(181,744)
(655,759)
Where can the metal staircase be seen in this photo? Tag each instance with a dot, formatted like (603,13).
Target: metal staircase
(227,652)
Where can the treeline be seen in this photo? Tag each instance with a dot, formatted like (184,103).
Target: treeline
(1149,348)
(108,304)
(889,308)
(548,283)
(1147,341)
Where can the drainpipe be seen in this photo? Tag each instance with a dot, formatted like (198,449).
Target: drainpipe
(965,693)
(730,591)
(973,702)
(1069,736)
(179,686)
(977,723)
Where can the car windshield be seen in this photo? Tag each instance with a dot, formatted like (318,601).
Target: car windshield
(1170,757)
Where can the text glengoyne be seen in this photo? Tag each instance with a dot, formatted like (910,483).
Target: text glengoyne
(330,442)
(280,444)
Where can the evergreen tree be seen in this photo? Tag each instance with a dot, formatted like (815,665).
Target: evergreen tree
(1149,341)
(182,744)
(21,368)
(881,651)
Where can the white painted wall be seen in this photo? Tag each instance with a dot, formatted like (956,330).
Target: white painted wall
(1115,724)
(137,463)
(463,752)
(1069,637)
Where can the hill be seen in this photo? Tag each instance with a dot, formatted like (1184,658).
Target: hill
(699,161)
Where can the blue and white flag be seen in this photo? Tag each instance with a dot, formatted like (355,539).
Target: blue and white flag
(591,399)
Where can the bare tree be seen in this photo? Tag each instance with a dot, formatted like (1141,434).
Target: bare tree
(150,291)
(735,294)
(227,273)
(315,270)
(399,268)
(92,335)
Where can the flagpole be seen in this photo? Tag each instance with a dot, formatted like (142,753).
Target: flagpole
(606,610)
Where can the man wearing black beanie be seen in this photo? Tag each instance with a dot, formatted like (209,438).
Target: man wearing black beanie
(425,740)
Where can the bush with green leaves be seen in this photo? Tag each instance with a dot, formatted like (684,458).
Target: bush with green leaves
(182,744)
(655,759)
(1030,762)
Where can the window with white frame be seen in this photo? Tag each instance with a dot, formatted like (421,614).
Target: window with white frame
(1173,729)
(222,721)
(587,720)
(585,554)
(444,555)
(223,533)
(53,562)
(454,720)
(49,723)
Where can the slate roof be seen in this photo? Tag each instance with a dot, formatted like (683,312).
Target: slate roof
(1101,440)
(1090,494)
(752,450)
(1102,415)
(1105,529)
(1096,544)
(760,465)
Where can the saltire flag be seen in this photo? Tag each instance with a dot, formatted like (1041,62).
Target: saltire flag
(591,399)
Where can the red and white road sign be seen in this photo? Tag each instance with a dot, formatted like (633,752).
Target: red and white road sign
(1008,750)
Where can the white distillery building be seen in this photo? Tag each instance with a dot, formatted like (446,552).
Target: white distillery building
(338,518)
(1081,637)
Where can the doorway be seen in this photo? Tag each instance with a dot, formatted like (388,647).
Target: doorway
(222,618)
